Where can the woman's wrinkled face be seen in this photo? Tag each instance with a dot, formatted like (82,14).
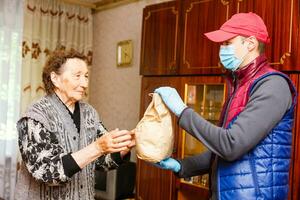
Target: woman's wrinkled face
(72,82)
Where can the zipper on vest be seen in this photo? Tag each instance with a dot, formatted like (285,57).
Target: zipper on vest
(235,84)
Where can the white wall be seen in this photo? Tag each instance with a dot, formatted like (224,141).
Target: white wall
(115,91)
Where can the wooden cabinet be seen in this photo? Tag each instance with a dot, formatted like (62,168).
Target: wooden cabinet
(160,39)
(282,20)
(295,45)
(295,164)
(152,182)
(206,95)
(174,48)
(198,55)
(173,42)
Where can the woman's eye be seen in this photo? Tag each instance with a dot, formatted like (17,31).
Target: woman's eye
(76,77)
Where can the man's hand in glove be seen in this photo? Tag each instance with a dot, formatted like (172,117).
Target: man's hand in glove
(169,164)
(172,99)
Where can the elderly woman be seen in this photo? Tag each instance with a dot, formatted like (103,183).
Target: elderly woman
(61,136)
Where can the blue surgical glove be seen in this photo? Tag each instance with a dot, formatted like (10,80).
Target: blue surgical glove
(169,164)
(172,99)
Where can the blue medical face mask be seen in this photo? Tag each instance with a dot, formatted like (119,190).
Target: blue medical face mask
(228,58)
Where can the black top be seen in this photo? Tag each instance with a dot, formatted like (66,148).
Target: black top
(69,164)
(75,115)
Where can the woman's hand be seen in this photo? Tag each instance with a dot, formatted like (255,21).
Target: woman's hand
(111,142)
(132,144)
(114,141)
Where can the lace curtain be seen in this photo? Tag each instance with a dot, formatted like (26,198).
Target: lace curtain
(48,25)
(11,25)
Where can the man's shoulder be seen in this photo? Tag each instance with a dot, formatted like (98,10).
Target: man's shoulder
(273,81)
(273,88)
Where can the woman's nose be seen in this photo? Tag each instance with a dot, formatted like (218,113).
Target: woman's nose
(84,82)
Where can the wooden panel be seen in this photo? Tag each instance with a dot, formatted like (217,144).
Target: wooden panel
(154,183)
(294,64)
(281,18)
(198,54)
(189,191)
(295,167)
(159,39)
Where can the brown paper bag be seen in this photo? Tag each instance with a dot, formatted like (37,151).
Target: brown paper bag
(154,133)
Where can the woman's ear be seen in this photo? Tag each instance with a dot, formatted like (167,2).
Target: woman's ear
(54,79)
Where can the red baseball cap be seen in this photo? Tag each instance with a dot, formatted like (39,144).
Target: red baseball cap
(244,24)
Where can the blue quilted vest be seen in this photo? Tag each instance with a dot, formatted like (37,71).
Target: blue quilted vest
(262,173)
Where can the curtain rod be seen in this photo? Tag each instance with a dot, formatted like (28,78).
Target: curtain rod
(96,7)
(80,3)
(113,4)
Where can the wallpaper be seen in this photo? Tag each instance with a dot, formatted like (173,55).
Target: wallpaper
(115,91)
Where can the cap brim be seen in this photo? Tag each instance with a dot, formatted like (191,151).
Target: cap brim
(219,36)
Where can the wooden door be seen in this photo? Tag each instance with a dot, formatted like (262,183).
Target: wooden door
(190,191)
(160,39)
(152,182)
(295,164)
(198,54)
(282,20)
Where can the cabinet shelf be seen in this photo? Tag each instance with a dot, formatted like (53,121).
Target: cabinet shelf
(183,182)
(189,191)
(206,99)
(197,181)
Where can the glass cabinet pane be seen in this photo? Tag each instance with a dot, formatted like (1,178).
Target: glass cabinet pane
(207,101)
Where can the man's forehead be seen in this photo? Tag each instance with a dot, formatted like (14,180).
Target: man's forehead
(234,39)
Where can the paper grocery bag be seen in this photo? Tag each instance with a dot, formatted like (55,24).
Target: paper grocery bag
(154,133)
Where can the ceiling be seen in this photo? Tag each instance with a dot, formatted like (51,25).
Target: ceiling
(98,5)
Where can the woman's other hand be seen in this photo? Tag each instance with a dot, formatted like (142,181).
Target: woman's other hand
(132,144)
(111,142)
(115,141)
